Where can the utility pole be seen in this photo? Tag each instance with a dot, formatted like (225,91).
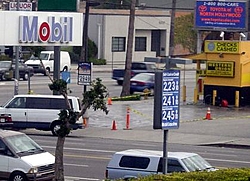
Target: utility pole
(171,46)
(84,49)
(127,75)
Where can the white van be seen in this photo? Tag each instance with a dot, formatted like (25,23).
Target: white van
(39,111)
(23,159)
(47,58)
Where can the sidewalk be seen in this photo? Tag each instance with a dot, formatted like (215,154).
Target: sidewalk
(228,127)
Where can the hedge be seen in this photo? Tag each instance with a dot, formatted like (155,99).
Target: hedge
(236,174)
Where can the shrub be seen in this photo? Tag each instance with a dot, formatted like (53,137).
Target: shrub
(134,97)
(98,61)
(238,174)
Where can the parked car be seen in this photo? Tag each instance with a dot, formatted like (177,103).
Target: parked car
(23,159)
(141,82)
(39,111)
(7,70)
(136,162)
(136,68)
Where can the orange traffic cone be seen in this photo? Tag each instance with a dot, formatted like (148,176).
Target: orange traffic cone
(208,115)
(109,101)
(113,125)
(85,122)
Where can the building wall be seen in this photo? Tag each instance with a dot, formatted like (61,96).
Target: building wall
(103,27)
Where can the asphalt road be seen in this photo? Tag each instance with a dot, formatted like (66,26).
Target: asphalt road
(88,151)
(85,158)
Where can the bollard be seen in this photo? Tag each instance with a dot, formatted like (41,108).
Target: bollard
(146,93)
(195,96)
(184,93)
(128,118)
(214,96)
(237,100)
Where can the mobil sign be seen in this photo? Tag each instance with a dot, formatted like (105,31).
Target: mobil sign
(41,28)
(52,30)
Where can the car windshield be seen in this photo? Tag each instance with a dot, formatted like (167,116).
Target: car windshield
(143,77)
(5,64)
(23,144)
(44,56)
(196,163)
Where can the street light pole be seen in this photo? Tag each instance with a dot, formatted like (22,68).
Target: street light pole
(16,60)
(85,37)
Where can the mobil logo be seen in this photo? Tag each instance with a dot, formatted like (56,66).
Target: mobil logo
(51,31)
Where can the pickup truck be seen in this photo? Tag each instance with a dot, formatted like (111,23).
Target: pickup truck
(136,68)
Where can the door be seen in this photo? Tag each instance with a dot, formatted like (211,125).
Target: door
(17,109)
(4,163)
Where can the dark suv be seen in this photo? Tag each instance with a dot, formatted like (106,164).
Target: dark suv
(7,70)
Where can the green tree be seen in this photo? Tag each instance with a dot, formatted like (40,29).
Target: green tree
(185,34)
(92,49)
(94,98)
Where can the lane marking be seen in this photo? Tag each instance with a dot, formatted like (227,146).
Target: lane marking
(232,161)
(86,156)
(69,178)
(75,165)
(82,149)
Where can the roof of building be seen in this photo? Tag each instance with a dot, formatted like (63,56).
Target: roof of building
(127,12)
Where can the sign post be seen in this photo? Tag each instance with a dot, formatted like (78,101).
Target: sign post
(166,103)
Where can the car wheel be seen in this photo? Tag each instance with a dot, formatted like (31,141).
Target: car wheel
(47,71)
(55,127)
(3,77)
(25,76)
(18,176)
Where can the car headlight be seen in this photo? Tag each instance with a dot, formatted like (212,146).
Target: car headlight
(33,170)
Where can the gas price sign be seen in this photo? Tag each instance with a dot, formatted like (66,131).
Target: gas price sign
(170,99)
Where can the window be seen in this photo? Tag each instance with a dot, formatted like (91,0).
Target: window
(134,162)
(118,44)
(19,102)
(138,66)
(140,43)
(173,166)
(46,103)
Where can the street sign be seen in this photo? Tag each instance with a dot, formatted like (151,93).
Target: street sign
(84,73)
(170,99)
(66,76)
(58,5)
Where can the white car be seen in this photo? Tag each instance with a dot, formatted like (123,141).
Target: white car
(135,162)
(23,159)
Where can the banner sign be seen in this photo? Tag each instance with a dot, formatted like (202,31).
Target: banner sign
(84,73)
(170,99)
(23,6)
(221,15)
(222,47)
(220,69)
